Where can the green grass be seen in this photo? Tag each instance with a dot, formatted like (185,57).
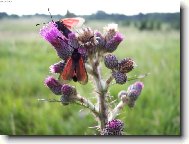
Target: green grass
(24,64)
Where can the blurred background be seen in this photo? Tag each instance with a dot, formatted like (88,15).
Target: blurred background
(152,39)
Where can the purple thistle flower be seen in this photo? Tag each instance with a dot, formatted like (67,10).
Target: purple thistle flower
(113,127)
(68,94)
(57,67)
(119,77)
(134,90)
(51,33)
(111,61)
(113,43)
(53,85)
(68,90)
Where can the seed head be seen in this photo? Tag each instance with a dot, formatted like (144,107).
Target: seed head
(126,65)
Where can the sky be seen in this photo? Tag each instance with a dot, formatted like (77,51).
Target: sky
(87,7)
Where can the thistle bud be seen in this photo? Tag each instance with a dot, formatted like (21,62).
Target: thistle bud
(53,85)
(134,90)
(68,94)
(119,77)
(121,94)
(113,127)
(111,61)
(126,65)
(65,99)
(113,43)
(68,90)
(57,67)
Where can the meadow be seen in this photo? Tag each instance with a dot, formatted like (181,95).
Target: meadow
(24,64)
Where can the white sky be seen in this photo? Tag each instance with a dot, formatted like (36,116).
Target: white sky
(80,7)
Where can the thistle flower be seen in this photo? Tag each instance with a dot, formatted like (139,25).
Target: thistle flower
(134,90)
(126,65)
(53,85)
(57,67)
(132,93)
(119,77)
(88,40)
(113,127)
(111,61)
(113,43)
(51,33)
(68,94)
(110,31)
(68,90)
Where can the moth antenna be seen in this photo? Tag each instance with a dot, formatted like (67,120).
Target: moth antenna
(50,15)
(40,24)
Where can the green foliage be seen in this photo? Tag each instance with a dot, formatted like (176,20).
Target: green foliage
(24,61)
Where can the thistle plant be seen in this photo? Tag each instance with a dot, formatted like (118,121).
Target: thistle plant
(92,49)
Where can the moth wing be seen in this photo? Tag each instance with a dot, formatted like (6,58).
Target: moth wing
(73,22)
(81,72)
(68,71)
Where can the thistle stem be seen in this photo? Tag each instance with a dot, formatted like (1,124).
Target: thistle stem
(116,110)
(102,91)
(87,104)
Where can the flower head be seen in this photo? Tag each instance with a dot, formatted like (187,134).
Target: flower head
(111,61)
(134,90)
(132,93)
(51,33)
(119,77)
(126,65)
(57,67)
(53,85)
(112,44)
(88,40)
(68,94)
(113,127)
(110,31)
(68,90)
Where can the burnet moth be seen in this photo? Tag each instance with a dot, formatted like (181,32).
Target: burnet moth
(74,68)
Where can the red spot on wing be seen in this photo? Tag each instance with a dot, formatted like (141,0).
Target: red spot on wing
(70,22)
(81,72)
(68,71)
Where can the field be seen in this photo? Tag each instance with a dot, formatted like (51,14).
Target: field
(24,64)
